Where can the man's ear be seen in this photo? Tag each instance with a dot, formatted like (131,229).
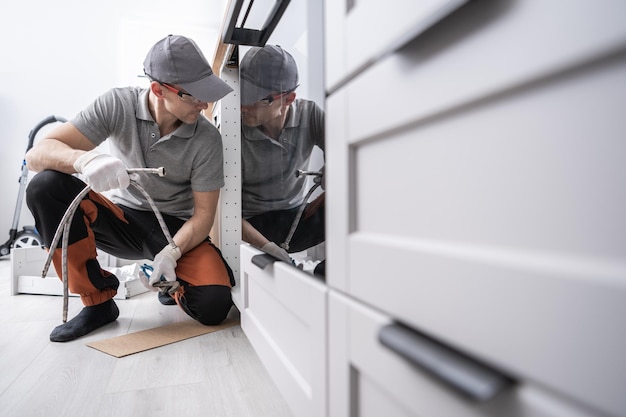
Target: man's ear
(289,98)
(157,89)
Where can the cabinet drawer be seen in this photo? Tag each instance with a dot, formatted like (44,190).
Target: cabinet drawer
(482,51)
(360,32)
(494,238)
(284,317)
(369,379)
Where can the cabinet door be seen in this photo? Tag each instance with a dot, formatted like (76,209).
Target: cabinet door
(284,317)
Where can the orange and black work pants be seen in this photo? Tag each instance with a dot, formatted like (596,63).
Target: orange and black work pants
(204,275)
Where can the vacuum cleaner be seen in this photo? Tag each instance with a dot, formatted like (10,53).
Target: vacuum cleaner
(28,236)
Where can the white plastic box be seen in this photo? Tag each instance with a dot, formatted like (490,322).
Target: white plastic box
(27,265)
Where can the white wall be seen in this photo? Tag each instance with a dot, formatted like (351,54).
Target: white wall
(57,56)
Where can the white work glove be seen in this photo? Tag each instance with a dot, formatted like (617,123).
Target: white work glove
(102,172)
(277,252)
(164,264)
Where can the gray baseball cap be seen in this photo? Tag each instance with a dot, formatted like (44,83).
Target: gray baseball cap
(266,70)
(178,60)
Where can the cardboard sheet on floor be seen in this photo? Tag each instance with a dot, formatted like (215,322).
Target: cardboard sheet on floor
(131,343)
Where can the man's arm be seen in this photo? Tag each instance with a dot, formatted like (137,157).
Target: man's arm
(198,227)
(58,150)
(190,235)
(251,235)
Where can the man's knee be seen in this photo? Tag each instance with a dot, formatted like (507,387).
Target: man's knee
(48,196)
(208,304)
(41,183)
(51,183)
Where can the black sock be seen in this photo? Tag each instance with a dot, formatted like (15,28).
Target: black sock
(89,319)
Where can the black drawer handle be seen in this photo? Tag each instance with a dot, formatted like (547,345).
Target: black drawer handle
(471,378)
(263,260)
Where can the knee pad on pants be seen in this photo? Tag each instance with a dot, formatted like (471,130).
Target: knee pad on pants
(208,304)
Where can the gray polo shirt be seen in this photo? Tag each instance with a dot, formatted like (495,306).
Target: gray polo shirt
(192,155)
(269,166)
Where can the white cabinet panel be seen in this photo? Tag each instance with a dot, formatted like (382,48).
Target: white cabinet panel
(483,49)
(226,232)
(539,169)
(284,317)
(337,192)
(359,32)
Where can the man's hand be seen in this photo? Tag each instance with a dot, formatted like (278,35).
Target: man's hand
(277,252)
(102,172)
(164,264)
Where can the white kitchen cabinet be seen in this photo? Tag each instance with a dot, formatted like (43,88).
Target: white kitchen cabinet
(476,192)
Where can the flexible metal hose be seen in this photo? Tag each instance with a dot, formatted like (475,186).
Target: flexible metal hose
(63,230)
(317,181)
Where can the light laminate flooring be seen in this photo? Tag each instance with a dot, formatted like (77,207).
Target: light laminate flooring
(217,374)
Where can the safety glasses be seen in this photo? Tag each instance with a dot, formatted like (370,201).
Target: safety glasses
(264,102)
(186,97)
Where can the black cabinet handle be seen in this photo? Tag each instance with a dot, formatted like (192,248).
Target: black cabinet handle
(466,375)
(263,260)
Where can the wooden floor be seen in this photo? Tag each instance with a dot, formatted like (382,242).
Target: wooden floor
(217,374)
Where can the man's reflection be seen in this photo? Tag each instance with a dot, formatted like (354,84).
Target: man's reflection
(279,133)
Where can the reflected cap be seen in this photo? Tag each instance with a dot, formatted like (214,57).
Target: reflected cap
(266,70)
